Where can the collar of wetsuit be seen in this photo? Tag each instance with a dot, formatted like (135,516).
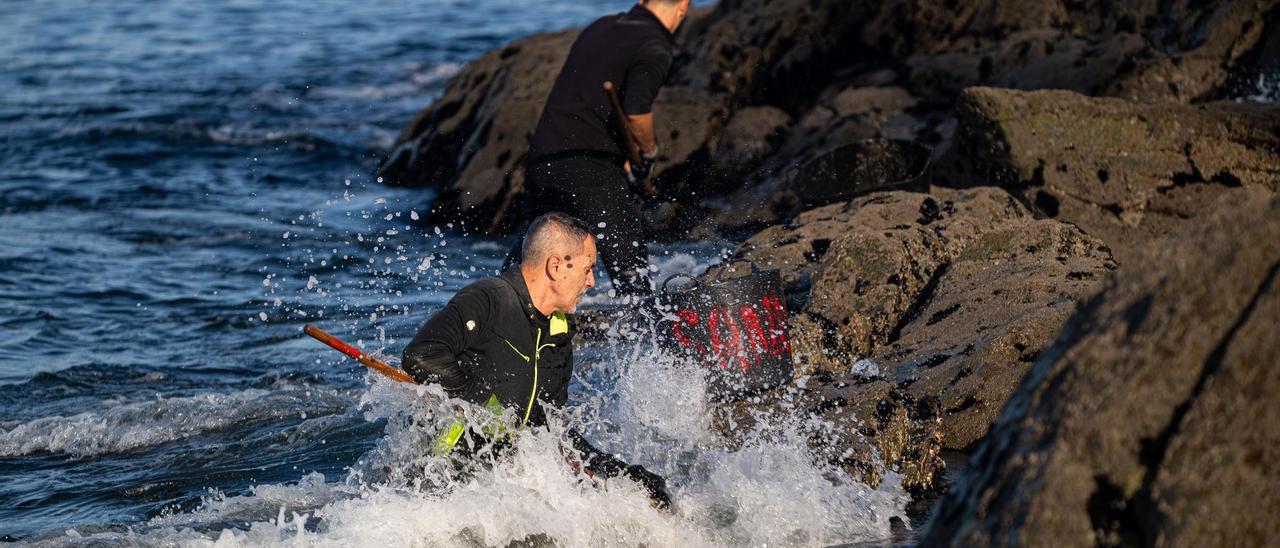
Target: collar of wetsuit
(516,279)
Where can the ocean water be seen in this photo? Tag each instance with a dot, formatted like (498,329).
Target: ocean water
(185,185)
(1263,87)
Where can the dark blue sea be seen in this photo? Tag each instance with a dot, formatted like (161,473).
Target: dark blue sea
(184,185)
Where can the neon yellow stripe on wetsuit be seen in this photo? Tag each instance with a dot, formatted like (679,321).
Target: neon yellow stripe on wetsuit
(559,325)
(533,394)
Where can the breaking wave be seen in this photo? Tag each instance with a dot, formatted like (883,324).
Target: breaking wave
(767,489)
(144,424)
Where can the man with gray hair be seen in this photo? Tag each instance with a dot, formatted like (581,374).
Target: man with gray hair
(506,342)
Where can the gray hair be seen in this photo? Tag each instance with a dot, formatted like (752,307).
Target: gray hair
(553,233)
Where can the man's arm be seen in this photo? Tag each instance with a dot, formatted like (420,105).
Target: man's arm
(642,132)
(645,78)
(600,463)
(432,355)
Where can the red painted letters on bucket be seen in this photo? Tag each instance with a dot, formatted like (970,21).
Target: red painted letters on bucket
(738,337)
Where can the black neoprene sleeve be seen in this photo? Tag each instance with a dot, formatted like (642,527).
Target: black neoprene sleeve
(432,355)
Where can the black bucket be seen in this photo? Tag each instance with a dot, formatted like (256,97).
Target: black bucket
(861,167)
(736,328)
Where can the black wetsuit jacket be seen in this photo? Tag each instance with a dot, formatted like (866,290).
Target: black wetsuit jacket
(491,341)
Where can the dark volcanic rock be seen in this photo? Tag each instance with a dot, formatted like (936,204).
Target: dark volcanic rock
(993,310)
(773,52)
(954,294)
(1138,50)
(854,271)
(843,70)
(752,134)
(1032,59)
(1152,420)
(905,432)
(867,427)
(839,117)
(780,51)
(469,143)
(857,168)
(1123,172)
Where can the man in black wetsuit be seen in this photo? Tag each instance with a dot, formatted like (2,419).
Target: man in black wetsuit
(506,342)
(577,159)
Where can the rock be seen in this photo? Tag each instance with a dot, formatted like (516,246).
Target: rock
(905,432)
(1033,59)
(954,313)
(686,125)
(836,174)
(1123,172)
(688,121)
(770,52)
(1268,59)
(1194,45)
(1137,50)
(752,134)
(871,105)
(870,101)
(1152,420)
(1144,51)
(782,52)
(987,315)
(954,294)
(847,70)
(470,143)
(857,168)
(852,271)
(841,117)
(867,427)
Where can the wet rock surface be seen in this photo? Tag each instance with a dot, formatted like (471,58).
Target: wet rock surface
(953,295)
(841,71)
(1152,419)
(992,313)
(1122,171)
(827,174)
(861,424)
(752,135)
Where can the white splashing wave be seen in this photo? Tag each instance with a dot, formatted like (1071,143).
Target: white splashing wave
(675,263)
(143,424)
(645,407)
(436,74)
(1266,89)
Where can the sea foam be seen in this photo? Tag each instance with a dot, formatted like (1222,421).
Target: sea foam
(135,425)
(630,399)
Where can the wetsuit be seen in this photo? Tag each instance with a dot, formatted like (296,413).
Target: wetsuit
(490,341)
(490,344)
(575,157)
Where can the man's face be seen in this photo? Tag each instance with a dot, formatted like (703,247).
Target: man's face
(579,275)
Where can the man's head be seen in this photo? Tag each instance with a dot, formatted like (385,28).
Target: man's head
(558,261)
(670,12)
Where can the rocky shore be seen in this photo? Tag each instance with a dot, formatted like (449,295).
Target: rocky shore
(1081,297)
